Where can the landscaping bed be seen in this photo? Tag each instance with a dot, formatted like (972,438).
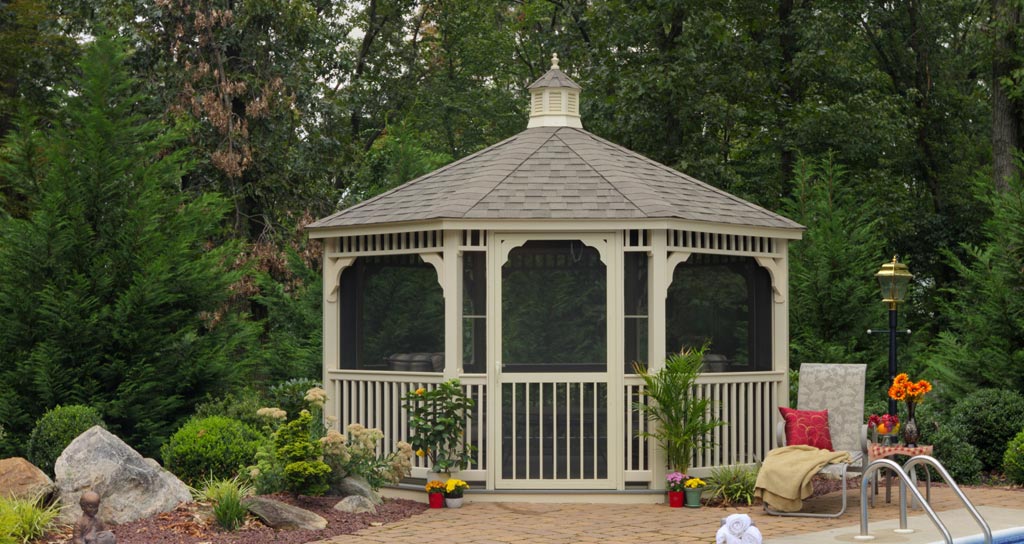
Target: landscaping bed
(193,524)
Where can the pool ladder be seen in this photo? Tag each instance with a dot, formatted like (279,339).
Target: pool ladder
(906,483)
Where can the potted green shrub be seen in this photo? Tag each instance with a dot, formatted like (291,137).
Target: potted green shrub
(681,421)
(437,423)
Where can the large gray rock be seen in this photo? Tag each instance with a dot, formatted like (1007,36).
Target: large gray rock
(356,504)
(20,479)
(279,515)
(356,485)
(129,487)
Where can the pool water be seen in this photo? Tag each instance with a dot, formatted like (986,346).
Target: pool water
(1006,536)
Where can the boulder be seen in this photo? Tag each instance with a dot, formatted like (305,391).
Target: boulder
(356,485)
(356,504)
(20,479)
(129,487)
(279,515)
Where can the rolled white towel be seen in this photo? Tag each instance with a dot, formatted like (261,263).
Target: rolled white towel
(737,523)
(751,536)
(723,536)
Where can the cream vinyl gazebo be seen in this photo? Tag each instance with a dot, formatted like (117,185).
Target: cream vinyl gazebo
(537,271)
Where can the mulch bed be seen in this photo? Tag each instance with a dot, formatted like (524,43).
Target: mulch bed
(193,524)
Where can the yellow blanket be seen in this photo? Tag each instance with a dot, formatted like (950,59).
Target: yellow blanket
(784,480)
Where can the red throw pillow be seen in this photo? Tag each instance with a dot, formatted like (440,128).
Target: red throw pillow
(807,427)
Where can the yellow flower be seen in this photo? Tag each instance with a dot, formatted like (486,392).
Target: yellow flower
(419,452)
(420,391)
(694,483)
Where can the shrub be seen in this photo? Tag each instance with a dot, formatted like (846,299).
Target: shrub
(24,520)
(211,447)
(226,496)
(241,405)
(356,455)
(55,430)
(289,395)
(990,418)
(732,485)
(958,456)
(1013,460)
(304,472)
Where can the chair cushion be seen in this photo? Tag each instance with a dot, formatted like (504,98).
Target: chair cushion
(807,427)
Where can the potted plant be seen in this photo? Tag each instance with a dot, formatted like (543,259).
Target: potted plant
(437,422)
(435,493)
(674,485)
(693,487)
(681,420)
(453,489)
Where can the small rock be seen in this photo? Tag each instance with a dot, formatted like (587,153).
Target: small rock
(279,515)
(356,485)
(130,487)
(20,479)
(356,504)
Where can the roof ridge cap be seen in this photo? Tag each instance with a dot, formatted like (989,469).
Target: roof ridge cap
(596,171)
(513,170)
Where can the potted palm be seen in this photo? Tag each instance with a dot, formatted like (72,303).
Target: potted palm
(681,420)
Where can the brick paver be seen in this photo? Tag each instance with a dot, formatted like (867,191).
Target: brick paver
(485,523)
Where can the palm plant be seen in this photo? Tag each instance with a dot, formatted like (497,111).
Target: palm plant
(681,420)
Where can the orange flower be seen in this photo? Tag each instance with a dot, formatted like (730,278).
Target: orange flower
(897,393)
(904,389)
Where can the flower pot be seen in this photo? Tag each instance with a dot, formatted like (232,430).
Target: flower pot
(436,500)
(675,499)
(453,502)
(693,496)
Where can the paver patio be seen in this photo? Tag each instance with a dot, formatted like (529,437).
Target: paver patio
(486,523)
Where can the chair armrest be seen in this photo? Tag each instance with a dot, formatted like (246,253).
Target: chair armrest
(780,434)
(864,439)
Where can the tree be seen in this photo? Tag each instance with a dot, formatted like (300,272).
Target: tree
(115,287)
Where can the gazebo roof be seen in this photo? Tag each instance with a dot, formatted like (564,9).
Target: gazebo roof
(556,171)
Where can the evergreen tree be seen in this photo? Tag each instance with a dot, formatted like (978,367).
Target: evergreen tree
(113,289)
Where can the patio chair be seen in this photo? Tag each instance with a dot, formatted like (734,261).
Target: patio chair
(840,390)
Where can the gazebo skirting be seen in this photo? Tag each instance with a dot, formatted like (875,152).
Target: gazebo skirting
(553,433)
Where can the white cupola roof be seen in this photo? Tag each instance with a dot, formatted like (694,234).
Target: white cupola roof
(554,100)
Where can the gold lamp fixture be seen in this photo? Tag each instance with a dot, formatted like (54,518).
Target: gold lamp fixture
(893,279)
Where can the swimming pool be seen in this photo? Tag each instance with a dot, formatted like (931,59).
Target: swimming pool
(1006,536)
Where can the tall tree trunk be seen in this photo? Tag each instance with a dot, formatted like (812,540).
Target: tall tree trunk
(1006,119)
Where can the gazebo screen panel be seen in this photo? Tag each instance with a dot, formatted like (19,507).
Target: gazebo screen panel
(474,312)
(635,292)
(554,308)
(392,315)
(725,301)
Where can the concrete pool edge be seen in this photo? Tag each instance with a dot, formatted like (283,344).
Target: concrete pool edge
(959,522)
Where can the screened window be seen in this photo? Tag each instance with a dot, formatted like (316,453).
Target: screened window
(554,308)
(726,302)
(635,305)
(474,312)
(392,315)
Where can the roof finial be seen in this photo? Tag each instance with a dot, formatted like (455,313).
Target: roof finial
(554,61)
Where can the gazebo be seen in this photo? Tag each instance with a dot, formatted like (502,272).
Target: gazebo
(537,271)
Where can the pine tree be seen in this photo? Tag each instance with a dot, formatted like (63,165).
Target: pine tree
(114,290)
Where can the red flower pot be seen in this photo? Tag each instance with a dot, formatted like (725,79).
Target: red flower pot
(675,499)
(437,500)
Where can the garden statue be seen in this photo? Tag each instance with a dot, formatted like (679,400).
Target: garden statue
(89,528)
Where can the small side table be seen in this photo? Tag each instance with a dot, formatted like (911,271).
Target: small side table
(878,451)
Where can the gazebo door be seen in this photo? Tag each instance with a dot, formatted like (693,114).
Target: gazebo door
(555,405)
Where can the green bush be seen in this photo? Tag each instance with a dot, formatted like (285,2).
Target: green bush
(1013,460)
(55,430)
(290,395)
(990,418)
(241,405)
(24,520)
(732,485)
(213,447)
(956,454)
(304,472)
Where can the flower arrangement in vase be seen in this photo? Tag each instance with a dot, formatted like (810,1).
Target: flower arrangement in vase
(453,490)
(674,485)
(902,389)
(435,492)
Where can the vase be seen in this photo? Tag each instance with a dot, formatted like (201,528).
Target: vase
(436,500)
(675,499)
(453,502)
(909,430)
(693,496)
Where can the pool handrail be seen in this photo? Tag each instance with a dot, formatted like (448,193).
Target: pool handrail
(928,460)
(873,468)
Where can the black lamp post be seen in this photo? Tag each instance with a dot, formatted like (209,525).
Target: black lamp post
(893,279)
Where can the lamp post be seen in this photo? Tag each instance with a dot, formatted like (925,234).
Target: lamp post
(893,279)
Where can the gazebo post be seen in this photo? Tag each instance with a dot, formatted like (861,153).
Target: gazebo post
(452,305)
(659,279)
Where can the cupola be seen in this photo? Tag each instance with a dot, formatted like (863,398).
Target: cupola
(554,100)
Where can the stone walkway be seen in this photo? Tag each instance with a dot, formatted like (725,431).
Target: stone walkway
(485,523)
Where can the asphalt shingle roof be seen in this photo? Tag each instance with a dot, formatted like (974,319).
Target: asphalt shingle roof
(555,173)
